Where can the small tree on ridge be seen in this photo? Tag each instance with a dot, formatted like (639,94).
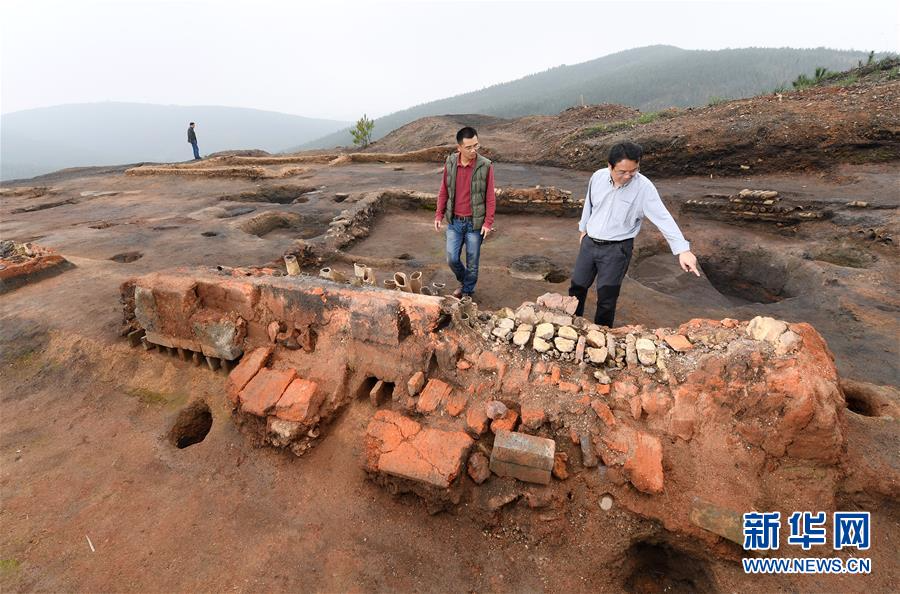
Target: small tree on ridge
(362,132)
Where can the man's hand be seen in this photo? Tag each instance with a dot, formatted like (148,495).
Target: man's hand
(688,262)
(581,236)
(484,231)
(437,224)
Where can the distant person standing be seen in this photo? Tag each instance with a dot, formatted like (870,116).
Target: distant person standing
(618,198)
(192,138)
(466,199)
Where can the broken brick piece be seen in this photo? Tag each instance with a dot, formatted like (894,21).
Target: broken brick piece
(456,404)
(434,394)
(487,361)
(554,374)
(603,412)
(533,417)
(678,342)
(644,466)
(415,383)
(265,389)
(505,423)
(300,401)
(476,420)
(569,387)
(398,446)
(245,370)
(560,466)
(479,468)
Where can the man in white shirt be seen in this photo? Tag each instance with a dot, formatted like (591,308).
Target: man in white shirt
(618,199)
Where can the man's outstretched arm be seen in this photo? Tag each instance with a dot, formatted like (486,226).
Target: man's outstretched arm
(659,215)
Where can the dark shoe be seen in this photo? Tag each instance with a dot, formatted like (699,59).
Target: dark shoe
(458,293)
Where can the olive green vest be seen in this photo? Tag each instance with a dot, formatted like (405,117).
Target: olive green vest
(478,189)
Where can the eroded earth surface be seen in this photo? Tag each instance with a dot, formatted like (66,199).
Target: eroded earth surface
(354,444)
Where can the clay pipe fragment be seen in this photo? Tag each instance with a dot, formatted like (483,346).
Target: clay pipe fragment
(401,281)
(290,262)
(389,284)
(415,282)
(332,274)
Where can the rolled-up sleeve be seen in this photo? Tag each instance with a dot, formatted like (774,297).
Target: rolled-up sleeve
(659,215)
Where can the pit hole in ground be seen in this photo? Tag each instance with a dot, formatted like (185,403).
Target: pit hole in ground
(539,268)
(869,400)
(861,406)
(747,277)
(653,568)
(286,224)
(209,234)
(275,194)
(191,426)
(127,257)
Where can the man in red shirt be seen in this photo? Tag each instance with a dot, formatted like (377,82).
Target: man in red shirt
(466,200)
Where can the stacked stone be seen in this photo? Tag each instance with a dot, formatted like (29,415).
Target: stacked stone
(548,328)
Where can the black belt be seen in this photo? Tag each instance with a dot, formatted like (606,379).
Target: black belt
(608,241)
(462,218)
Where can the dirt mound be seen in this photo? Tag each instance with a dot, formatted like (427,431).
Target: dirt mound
(23,263)
(432,131)
(241,153)
(853,118)
(519,139)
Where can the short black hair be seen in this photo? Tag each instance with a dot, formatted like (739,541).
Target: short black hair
(192,123)
(467,132)
(625,150)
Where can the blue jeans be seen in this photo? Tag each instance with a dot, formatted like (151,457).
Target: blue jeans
(460,232)
(196,150)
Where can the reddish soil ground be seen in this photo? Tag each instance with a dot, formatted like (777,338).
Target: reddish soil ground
(96,498)
(83,449)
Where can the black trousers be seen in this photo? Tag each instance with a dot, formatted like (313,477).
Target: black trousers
(607,263)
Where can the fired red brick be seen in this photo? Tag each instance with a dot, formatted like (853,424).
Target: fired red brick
(265,389)
(245,370)
(435,393)
(300,401)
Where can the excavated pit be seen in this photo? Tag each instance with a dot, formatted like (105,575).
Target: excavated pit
(282,224)
(127,257)
(748,277)
(274,195)
(657,568)
(191,426)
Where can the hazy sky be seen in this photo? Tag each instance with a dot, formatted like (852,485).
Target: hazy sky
(340,59)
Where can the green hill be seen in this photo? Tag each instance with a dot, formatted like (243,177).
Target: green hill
(648,78)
